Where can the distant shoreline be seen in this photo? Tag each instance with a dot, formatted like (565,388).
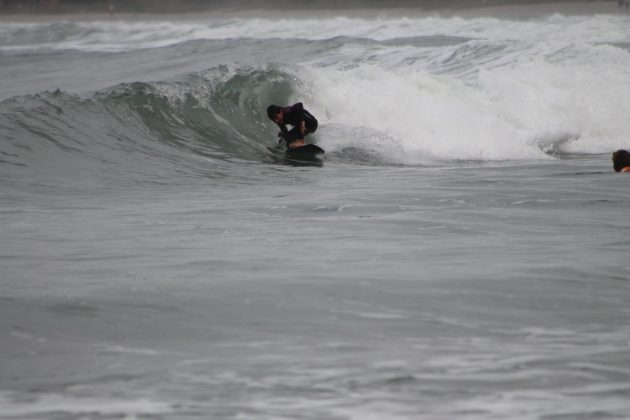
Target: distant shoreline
(515,10)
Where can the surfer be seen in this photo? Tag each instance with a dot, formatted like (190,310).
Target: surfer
(621,160)
(303,123)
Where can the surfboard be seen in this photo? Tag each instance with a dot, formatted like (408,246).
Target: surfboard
(303,155)
(308,150)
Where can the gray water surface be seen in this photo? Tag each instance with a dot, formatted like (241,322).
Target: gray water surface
(473,291)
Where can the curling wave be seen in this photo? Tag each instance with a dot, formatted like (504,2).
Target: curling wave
(207,120)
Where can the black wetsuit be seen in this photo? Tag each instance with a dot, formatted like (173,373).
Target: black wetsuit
(294,115)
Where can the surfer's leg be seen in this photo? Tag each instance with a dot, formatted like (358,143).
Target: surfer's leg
(294,137)
(296,143)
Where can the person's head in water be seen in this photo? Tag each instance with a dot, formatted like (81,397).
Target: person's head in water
(621,160)
(275,114)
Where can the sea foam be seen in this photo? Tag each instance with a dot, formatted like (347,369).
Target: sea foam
(522,111)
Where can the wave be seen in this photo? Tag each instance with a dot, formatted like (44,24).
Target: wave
(206,122)
(199,125)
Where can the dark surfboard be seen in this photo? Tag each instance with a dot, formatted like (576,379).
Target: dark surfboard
(308,150)
(303,155)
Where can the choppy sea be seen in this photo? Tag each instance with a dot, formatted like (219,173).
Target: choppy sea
(461,252)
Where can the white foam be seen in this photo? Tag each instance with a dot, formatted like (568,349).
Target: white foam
(121,35)
(39,405)
(513,112)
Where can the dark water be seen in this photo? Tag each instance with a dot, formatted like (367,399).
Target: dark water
(461,252)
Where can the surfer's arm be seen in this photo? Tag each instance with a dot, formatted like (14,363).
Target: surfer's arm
(283,130)
(300,112)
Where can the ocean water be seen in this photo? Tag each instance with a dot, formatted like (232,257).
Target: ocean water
(461,252)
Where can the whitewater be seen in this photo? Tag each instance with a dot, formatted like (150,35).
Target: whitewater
(461,251)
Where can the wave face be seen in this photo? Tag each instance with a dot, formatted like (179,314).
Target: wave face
(207,120)
(391,91)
